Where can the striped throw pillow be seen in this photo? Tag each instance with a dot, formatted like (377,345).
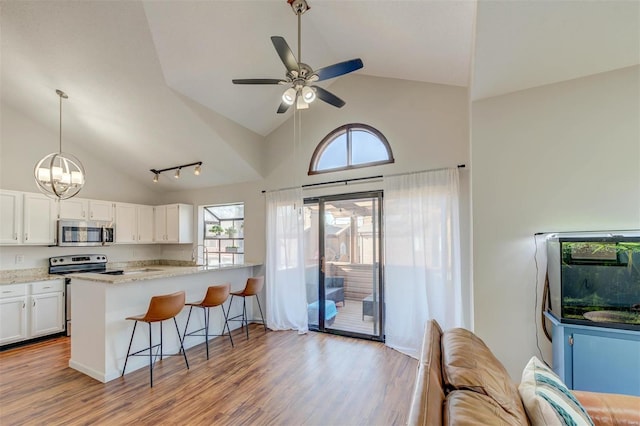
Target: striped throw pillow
(547,400)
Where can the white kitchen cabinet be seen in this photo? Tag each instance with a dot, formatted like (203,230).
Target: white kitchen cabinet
(145,224)
(13,313)
(173,223)
(85,209)
(38,226)
(10,217)
(101,210)
(134,224)
(30,310)
(46,308)
(74,208)
(126,223)
(26,218)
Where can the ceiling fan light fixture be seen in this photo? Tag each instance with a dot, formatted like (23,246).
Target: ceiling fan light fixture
(308,94)
(301,103)
(289,96)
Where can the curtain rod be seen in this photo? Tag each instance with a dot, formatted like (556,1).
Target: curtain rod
(347,181)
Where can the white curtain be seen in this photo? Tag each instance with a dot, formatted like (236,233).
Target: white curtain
(422,256)
(285,288)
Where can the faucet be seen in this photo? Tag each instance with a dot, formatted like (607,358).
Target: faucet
(195,254)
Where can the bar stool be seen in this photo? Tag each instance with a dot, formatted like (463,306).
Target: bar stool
(161,308)
(252,288)
(216,296)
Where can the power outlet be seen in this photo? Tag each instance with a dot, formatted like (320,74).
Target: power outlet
(19,259)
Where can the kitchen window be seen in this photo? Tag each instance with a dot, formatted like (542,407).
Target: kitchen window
(223,234)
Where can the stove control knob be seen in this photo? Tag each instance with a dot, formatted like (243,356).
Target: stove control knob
(54,260)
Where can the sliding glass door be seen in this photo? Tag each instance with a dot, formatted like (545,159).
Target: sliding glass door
(342,251)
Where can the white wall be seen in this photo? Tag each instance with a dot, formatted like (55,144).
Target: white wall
(254,216)
(23,142)
(425,124)
(38,257)
(562,157)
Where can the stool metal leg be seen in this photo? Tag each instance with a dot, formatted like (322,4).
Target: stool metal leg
(205,311)
(129,350)
(161,340)
(226,323)
(184,354)
(151,354)
(261,316)
(244,315)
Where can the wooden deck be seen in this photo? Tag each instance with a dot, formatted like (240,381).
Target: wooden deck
(350,318)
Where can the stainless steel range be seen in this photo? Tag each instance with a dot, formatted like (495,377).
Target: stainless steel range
(73,264)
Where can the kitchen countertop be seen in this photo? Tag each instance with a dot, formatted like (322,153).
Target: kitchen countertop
(19,276)
(153,272)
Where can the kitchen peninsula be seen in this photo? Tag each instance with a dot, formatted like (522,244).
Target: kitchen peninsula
(100,304)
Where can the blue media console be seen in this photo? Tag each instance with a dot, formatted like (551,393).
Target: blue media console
(596,359)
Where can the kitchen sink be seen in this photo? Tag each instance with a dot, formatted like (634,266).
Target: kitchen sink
(141,271)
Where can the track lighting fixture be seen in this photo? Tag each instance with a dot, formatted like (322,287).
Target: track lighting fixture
(196,170)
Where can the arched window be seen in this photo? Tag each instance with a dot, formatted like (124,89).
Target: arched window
(350,146)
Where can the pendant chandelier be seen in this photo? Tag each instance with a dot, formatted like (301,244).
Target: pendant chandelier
(60,175)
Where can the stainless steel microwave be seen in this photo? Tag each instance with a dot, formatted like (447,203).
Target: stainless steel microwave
(85,233)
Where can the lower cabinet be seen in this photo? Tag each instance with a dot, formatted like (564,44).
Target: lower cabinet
(30,310)
(597,359)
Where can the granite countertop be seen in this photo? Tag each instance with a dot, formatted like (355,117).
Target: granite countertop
(18,276)
(134,271)
(153,272)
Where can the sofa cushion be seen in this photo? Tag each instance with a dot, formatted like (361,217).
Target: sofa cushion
(547,400)
(463,407)
(468,364)
(428,395)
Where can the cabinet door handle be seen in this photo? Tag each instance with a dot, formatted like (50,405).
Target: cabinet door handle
(7,291)
(84,213)
(15,235)
(26,237)
(133,237)
(24,305)
(34,303)
(46,287)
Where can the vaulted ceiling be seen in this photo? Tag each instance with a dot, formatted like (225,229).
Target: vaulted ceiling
(149,83)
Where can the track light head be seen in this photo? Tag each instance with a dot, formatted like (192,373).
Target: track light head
(177,174)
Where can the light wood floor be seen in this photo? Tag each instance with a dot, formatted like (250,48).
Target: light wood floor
(274,378)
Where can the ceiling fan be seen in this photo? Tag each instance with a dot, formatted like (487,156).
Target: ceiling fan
(300,75)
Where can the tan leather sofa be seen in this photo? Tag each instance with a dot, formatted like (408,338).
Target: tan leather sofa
(459,381)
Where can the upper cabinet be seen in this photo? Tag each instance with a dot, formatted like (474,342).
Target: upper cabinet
(10,217)
(173,223)
(83,209)
(39,219)
(26,218)
(134,224)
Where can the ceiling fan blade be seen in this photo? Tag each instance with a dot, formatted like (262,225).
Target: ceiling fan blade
(258,81)
(338,69)
(283,107)
(328,97)
(285,53)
